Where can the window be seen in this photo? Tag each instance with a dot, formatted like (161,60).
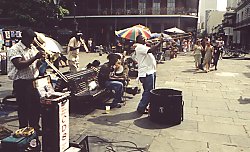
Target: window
(129,6)
(242,16)
(247,14)
(238,18)
(156,7)
(142,6)
(171,7)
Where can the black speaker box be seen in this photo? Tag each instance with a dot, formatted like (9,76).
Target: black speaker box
(166,106)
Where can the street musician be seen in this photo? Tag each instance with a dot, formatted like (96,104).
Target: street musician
(23,64)
(73,52)
(108,78)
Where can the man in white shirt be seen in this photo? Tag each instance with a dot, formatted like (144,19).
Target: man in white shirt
(146,70)
(73,52)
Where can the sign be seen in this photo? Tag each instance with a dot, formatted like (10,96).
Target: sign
(64,125)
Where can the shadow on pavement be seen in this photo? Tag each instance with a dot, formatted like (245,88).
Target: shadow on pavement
(4,93)
(80,111)
(189,71)
(247,75)
(244,100)
(194,71)
(5,111)
(237,58)
(146,123)
(113,120)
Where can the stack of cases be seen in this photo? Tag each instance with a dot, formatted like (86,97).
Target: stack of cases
(55,116)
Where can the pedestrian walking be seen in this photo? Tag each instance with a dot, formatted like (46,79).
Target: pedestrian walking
(197,54)
(23,67)
(146,69)
(217,53)
(184,46)
(209,49)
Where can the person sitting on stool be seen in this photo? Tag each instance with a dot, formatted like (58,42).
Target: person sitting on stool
(108,79)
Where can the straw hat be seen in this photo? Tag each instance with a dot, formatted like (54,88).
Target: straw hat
(40,37)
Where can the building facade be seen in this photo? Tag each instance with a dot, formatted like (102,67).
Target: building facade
(213,19)
(205,5)
(242,25)
(100,18)
(228,25)
(232,4)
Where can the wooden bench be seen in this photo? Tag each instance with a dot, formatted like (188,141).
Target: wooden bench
(80,89)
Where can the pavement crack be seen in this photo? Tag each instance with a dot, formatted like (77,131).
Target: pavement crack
(244,126)
(208,147)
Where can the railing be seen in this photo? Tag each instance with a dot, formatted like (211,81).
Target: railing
(133,11)
(243,22)
(228,24)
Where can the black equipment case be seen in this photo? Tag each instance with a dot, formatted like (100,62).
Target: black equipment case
(17,144)
(166,106)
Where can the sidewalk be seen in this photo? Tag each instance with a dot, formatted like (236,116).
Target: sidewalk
(216,111)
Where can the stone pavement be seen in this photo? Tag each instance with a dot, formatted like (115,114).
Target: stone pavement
(216,111)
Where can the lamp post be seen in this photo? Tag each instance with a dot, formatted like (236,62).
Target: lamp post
(75,22)
(56,2)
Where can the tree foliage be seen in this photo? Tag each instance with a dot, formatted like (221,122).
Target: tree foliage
(36,13)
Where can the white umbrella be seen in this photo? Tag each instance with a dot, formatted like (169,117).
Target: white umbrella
(157,35)
(175,30)
(53,45)
(49,43)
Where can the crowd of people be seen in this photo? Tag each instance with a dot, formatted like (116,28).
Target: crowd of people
(207,54)
(25,61)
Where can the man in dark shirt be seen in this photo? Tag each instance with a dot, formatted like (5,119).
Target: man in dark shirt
(108,79)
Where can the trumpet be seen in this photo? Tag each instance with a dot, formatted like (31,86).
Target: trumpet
(48,62)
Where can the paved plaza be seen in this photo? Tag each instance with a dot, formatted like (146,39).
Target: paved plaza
(216,111)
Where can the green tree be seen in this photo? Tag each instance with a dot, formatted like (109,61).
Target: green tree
(35,13)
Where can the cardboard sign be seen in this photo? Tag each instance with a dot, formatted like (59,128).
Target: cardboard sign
(64,125)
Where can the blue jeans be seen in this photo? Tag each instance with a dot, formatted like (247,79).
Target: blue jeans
(117,87)
(148,84)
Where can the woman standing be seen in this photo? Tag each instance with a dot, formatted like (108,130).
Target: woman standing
(197,54)
(209,49)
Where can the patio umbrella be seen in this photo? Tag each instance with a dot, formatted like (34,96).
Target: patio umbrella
(142,26)
(175,30)
(157,35)
(49,43)
(132,32)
